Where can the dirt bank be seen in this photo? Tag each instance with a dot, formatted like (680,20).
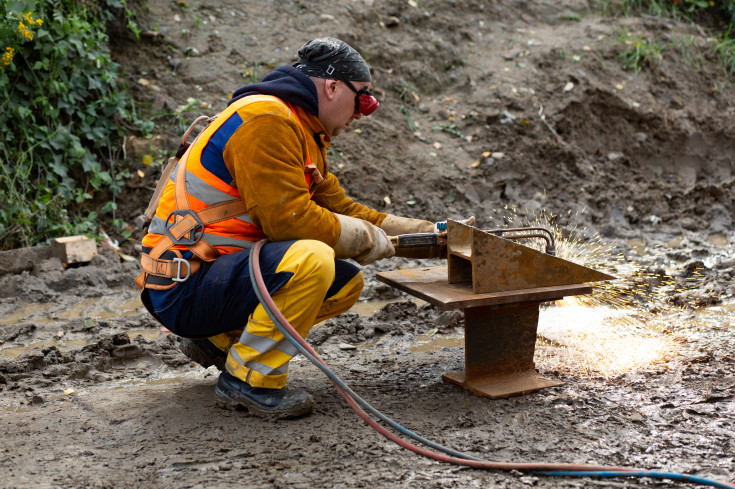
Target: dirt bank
(511,111)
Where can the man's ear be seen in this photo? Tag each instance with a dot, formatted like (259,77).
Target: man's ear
(330,88)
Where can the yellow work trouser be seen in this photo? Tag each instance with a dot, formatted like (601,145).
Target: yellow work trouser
(260,355)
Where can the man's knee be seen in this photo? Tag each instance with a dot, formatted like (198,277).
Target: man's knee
(308,258)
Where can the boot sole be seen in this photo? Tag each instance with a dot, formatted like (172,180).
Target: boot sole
(224,400)
(191,350)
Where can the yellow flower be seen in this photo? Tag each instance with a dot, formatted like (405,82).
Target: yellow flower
(39,22)
(24,31)
(7,56)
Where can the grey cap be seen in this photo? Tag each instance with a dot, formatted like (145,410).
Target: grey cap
(331,58)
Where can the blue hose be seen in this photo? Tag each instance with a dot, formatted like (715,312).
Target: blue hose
(636,473)
(459,456)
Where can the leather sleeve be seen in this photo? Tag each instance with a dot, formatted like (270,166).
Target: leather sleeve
(266,157)
(331,195)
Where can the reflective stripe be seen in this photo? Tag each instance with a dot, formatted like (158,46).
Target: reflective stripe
(259,367)
(266,370)
(216,240)
(264,345)
(172,178)
(158,225)
(201,190)
(208,182)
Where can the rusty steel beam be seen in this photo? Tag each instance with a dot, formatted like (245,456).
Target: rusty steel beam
(500,285)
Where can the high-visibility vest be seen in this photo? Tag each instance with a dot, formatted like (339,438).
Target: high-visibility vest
(200,210)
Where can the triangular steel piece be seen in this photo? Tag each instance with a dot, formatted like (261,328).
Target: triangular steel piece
(495,264)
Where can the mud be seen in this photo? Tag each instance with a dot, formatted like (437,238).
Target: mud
(510,111)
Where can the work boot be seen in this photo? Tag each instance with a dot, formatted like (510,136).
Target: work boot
(204,353)
(232,393)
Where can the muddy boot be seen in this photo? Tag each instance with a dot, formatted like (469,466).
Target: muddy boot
(232,393)
(204,353)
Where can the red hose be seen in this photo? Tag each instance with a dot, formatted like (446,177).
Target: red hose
(479,464)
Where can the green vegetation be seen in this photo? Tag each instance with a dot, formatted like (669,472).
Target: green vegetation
(64,114)
(65,110)
(638,51)
(448,128)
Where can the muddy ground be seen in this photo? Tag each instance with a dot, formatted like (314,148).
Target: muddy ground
(512,111)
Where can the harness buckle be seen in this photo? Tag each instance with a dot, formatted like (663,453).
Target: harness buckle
(178,277)
(195,232)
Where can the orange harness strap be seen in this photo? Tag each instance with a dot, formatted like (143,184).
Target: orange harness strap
(188,230)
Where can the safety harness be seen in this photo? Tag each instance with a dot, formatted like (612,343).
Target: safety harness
(164,265)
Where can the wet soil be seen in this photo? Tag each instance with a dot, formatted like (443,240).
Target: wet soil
(512,111)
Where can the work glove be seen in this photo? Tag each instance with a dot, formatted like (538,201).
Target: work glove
(362,241)
(470,221)
(396,225)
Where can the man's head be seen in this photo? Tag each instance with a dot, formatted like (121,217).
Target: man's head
(342,79)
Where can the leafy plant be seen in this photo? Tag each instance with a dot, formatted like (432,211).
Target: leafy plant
(64,113)
(638,51)
(722,44)
(689,49)
(725,48)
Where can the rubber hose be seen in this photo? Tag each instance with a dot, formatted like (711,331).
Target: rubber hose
(458,458)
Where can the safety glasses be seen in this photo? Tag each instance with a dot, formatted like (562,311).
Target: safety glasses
(365,102)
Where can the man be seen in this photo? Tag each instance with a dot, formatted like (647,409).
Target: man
(259,170)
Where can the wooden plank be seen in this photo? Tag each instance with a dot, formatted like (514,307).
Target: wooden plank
(74,249)
(430,284)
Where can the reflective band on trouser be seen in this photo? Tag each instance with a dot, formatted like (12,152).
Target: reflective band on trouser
(261,356)
(341,296)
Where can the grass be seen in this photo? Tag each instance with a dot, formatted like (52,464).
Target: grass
(639,51)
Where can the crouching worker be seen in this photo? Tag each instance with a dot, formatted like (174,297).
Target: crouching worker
(259,171)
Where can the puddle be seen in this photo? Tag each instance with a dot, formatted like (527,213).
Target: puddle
(371,307)
(103,308)
(638,245)
(66,345)
(109,307)
(149,334)
(16,351)
(429,343)
(163,377)
(718,240)
(20,313)
(676,242)
(18,409)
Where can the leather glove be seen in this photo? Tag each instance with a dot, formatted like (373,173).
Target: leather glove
(396,225)
(362,241)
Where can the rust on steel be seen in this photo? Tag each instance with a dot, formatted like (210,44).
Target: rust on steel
(500,285)
(495,264)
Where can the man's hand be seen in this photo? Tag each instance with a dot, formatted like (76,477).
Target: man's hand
(470,221)
(396,225)
(362,241)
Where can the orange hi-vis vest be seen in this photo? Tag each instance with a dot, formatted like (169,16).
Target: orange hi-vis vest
(200,209)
